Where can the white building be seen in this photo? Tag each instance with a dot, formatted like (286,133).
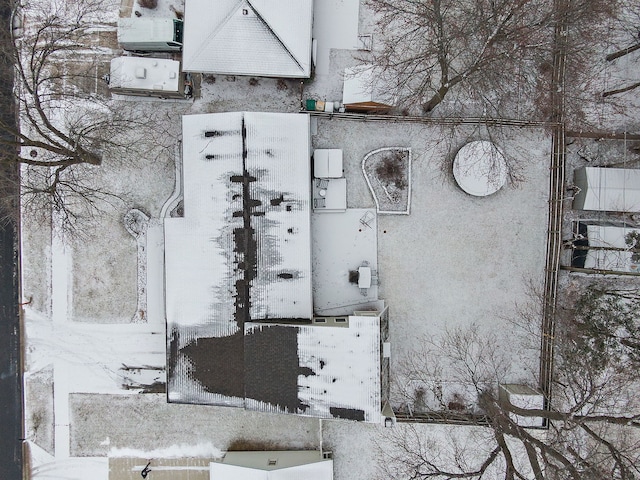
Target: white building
(259,465)
(525,397)
(151,34)
(603,246)
(239,303)
(365,91)
(268,38)
(284,465)
(607,189)
(144,76)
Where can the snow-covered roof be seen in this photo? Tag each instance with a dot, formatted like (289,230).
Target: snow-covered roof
(610,251)
(260,465)
(362,84)
(144,73)
(246,220)
(273,465)
(145,29)
(607,189)
(238,279)
(346,366)
(321,371)
(523,396)
(270,38)
(314,471)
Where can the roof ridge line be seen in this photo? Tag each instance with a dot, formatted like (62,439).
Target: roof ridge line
(277,37)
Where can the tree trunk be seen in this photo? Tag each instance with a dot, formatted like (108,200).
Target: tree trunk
(623,52)
(435,100)
(628,88)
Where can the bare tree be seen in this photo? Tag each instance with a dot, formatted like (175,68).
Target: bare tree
(629,34)
(67,125)
(625,89)
(592,423)
(496,53)
(605,319)
(431,48)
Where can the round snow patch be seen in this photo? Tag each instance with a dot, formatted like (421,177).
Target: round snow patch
(480,168)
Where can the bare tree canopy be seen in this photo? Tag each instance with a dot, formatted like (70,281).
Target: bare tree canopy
(631,43)
(430,47)
(55,32)
(497,53)
(67,122)
(592,421)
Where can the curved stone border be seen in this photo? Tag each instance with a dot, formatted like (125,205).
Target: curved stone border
(176,195)
(371,189)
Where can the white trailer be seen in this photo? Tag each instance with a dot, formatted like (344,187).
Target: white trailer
(150,34)
(149,77)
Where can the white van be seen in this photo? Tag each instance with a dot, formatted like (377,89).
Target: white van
(150,34)
(149,77)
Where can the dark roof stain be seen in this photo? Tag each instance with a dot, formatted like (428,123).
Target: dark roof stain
(347,413)
(272,366)
(217,363)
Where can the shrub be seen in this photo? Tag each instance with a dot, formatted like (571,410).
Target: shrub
(391,170)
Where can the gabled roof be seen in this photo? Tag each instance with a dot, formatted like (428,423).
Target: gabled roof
(273,465)
(246,222)
(313,471)
(270,38)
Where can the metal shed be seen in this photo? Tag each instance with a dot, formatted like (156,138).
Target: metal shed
(607,189)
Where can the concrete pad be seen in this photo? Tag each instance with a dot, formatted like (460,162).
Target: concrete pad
(335,25)
(340,242)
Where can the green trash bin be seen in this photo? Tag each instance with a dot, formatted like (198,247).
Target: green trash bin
(310,105)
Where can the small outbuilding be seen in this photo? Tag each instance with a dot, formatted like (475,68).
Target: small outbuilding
(606,246)
(150,34)
(364,92)
(148,77)
(525,397)
(607,189)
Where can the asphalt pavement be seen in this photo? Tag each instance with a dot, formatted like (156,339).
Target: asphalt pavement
(10,333)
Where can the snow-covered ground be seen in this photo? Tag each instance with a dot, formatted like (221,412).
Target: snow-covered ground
(454,261)
(423,274)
